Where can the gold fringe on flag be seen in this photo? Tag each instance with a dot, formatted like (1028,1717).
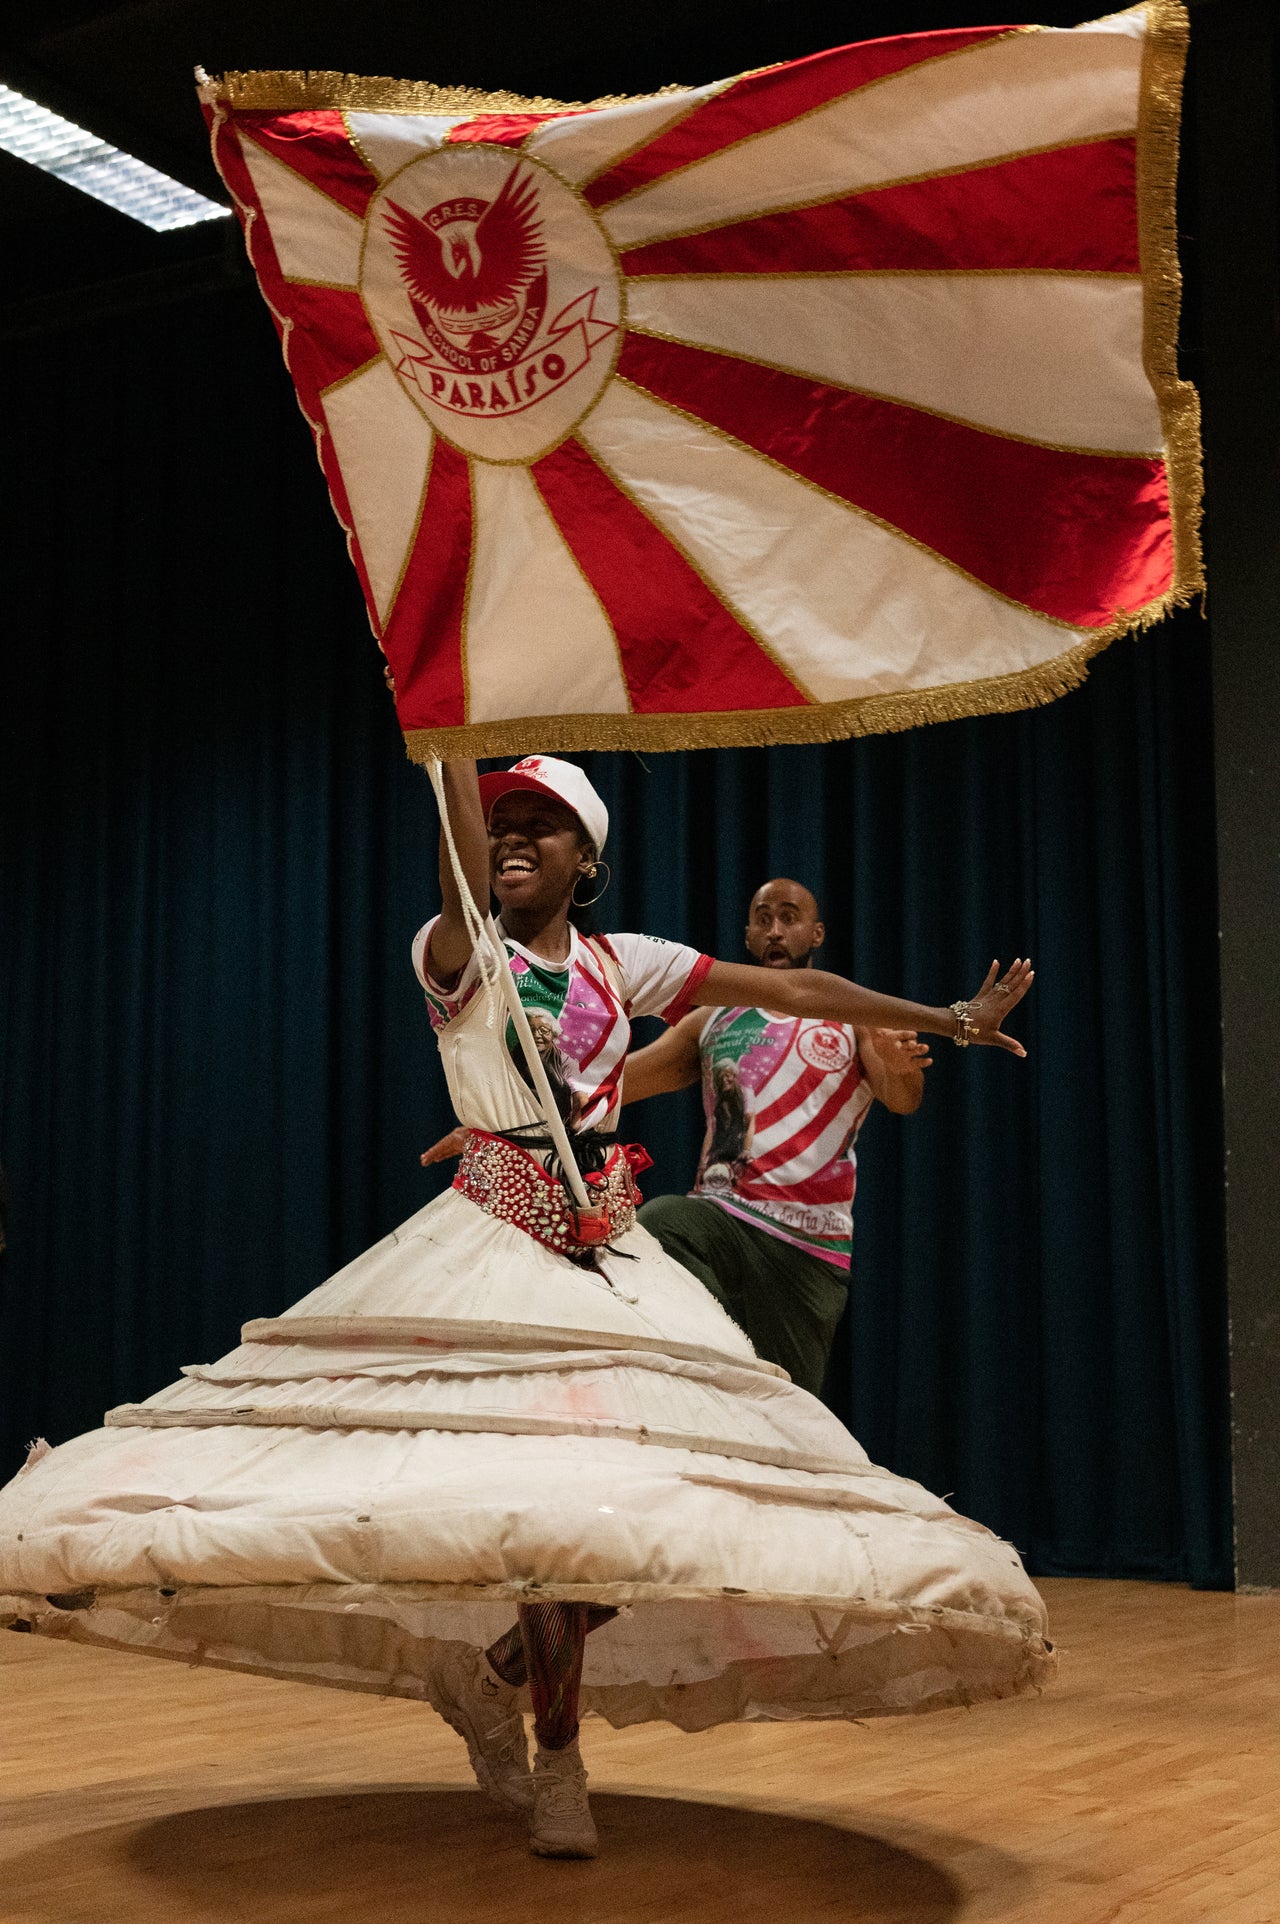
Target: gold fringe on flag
(290,88)
(1159,118)
(828,721)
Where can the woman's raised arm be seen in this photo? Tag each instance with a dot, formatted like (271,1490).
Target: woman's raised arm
(450,948)
(813,992)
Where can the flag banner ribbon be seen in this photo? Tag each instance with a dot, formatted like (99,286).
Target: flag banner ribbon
(509,380)
(829,399)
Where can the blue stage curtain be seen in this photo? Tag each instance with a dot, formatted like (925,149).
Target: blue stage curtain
(217,1072)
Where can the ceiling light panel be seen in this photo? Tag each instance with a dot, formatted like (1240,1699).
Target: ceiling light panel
(66,151)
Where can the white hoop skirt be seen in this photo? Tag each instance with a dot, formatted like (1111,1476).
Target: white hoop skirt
(460,1420)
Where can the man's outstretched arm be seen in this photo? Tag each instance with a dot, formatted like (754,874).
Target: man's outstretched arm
(669,1063)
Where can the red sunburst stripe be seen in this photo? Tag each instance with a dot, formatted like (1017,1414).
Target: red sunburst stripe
(682,650)
(329,339)
(763,100)
(1074,536)
(315,144)
(229,159)
(1071,210)
(423,640)
(505,130)
(342,508)
(330,335)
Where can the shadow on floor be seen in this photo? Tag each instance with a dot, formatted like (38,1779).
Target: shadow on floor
(436,1856)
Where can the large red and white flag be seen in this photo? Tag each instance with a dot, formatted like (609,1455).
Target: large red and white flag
(829,399)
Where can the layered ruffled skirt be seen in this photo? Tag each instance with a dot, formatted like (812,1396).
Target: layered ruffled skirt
(461,1420)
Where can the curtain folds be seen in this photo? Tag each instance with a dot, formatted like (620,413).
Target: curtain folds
(215,1070)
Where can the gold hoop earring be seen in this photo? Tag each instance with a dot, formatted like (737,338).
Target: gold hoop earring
(591,872)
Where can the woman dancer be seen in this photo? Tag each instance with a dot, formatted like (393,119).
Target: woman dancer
(532,836)
(518,1397)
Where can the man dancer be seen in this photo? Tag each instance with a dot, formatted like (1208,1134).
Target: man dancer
(769,1223)
(768,1227)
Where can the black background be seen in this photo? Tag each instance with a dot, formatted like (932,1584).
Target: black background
(216,1067)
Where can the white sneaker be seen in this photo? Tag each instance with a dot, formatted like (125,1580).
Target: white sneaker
(562,1825)
(476,1703)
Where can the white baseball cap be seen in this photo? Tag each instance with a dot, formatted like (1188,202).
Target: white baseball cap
(563,781)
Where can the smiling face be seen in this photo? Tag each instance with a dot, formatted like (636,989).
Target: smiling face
(537,849)
(783,928)
(545,1033)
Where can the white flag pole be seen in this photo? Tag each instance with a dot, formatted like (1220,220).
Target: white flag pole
(495,970)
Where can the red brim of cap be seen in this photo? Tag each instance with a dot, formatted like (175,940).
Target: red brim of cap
(503,782)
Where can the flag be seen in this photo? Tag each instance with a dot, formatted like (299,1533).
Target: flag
(833,398)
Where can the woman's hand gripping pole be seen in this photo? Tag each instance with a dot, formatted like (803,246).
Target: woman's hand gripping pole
(495,974)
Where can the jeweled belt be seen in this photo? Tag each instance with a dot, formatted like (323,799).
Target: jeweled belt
(507,1180)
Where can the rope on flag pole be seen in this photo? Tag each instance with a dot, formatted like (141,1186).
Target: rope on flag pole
(491,955)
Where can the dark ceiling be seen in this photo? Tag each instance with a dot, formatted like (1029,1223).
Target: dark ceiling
(125,72)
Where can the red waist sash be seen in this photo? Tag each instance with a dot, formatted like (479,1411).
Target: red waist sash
(509,1182)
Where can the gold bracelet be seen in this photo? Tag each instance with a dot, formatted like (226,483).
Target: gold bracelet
(966,1027)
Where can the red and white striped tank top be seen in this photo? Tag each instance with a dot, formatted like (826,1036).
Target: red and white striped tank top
(784,1099)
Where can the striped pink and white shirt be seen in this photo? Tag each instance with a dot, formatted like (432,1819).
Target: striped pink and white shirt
(784,1099)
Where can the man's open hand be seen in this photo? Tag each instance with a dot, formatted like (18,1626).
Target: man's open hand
(901,1051)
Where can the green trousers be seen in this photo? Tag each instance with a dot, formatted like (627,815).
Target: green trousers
(786,1300)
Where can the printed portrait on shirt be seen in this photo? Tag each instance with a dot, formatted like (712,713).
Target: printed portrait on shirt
(741,1056)
(546,1035)
(728,1139)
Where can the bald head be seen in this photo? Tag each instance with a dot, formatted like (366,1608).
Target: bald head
(783,925)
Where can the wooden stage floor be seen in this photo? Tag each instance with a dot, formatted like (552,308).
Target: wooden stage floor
(1143,1789)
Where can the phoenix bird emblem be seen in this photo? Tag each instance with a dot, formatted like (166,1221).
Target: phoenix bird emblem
(472,278)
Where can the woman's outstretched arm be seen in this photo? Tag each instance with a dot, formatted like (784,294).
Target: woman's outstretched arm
(813,992)
(450,948)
